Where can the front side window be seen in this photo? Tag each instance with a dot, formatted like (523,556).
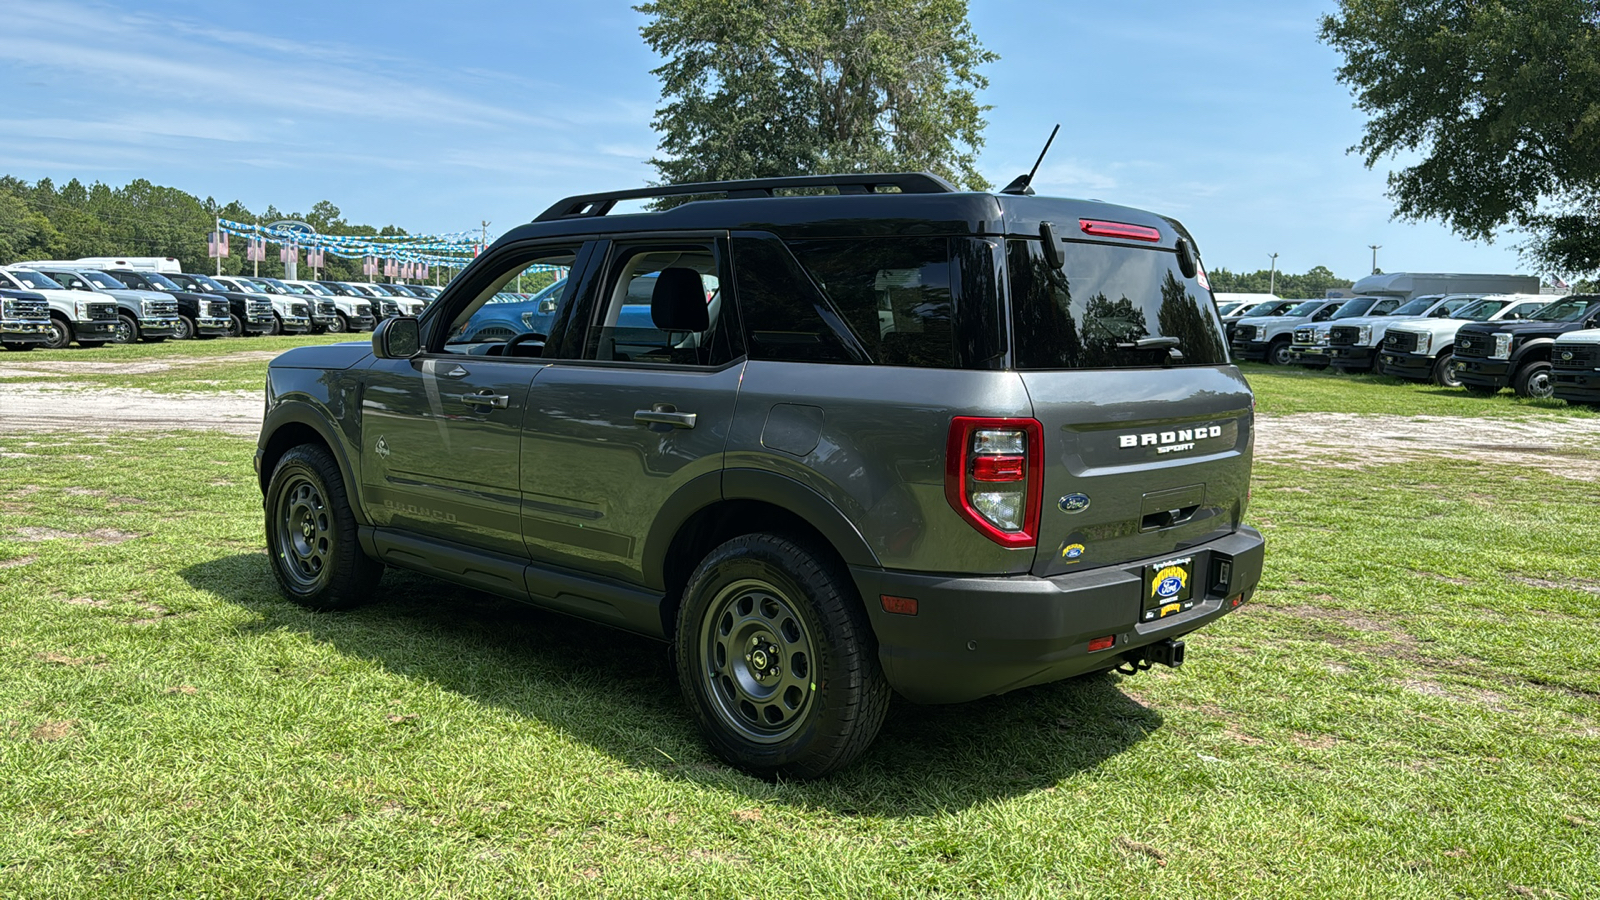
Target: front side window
(1109,306)
(104,280)
(490,325)
(663,305)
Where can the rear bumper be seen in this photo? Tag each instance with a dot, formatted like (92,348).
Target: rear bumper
(1576,387)
(974,636)
(24,331)
(1483,372)
(1407,365)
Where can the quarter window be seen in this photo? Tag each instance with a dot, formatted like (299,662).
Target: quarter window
(663,305)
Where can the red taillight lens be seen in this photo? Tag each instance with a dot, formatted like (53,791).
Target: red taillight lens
(1123,230)
(994,476)
(1102,643)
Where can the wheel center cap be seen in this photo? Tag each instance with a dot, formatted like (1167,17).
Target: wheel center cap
(306,528)
(758,659)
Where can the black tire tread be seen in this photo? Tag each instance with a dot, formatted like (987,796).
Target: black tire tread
(354,573)
(833,597)
(1524,375)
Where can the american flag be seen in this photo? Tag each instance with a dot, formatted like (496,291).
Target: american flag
(216,245)
(289,254)
(369,266)
(1559,283)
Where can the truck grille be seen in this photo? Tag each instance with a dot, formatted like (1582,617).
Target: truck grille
(217,309)
(326,308)
(102,311)
(1477,346)
(1576,357)
(259,309)
(28,309)
(1305,335)
(298,309)
(1344,335)
(1400,341)
(161,307)
(363,310)
(1245,333)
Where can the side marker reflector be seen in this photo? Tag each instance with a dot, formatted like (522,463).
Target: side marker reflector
(900,606)
(1102,643)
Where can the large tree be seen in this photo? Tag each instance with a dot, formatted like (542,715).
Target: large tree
(1500,99)
(758,89)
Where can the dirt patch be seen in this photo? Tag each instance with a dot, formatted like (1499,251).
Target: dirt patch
(48,407)
(1555,444)
(52,731)
(17,561)
(1576,584)
(63,659)
(100,536)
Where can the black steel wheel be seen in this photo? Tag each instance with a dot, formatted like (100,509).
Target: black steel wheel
(776,659)
(127,330)
(311,533)
(1444,371)
(1534,380)
(186,330)
(58,334)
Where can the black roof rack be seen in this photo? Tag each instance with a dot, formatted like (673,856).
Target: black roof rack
(599,204)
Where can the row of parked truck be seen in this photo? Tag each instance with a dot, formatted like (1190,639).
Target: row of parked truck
(1538,345)
(96,301)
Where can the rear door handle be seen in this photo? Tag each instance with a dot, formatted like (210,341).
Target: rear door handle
(664,414)
(486,397)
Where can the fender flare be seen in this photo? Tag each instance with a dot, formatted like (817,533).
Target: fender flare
(1533,344)
(297,413)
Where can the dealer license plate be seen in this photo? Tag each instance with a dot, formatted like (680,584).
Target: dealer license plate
(1168,588)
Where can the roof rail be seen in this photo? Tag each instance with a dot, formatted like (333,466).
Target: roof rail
(584,205)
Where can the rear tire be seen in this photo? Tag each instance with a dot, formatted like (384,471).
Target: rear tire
(776,660)
(1533,381)
(311,533)
(1444,371)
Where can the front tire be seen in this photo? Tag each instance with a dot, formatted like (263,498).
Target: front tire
(1533,381)
(59,334)
(1279,353)
(235,325)
(185,330)
(127,330)
(340,325)
(277,325)
(311,533)
(1444,371)
(776,660)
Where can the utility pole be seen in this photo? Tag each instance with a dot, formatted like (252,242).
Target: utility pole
(1272,280)
(1374,248)
(219,244)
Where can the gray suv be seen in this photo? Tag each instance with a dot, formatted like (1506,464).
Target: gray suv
(891,438)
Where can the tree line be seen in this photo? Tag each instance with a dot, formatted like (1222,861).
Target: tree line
(43,221)
(1309,286)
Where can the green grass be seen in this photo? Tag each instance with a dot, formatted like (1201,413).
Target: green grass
(1407,709)
(223,364)
(1286,390)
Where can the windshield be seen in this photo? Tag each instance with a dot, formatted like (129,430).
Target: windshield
(1448,309)
(317,289)
(1417,306)
(264,286)
(35,280)
(1570,309)
(103,280)
(1269,308)
(1356,307)
(204,283)
(1307,308)
(160,281)
(1480,311)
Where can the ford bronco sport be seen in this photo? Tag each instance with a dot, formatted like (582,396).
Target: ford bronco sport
(830,446)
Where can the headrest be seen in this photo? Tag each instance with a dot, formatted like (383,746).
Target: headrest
(679,301)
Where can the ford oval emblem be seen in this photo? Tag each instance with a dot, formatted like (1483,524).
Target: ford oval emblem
(1074,503)
(1566,356)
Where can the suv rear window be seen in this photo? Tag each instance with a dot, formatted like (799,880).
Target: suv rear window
(1108,307)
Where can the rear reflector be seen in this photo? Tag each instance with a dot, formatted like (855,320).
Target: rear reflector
(1102,643)
(900,606)
(1098,228)
(999,468)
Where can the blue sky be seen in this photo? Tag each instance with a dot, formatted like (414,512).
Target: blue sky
(436,116)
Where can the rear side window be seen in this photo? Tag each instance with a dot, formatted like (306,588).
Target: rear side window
(894,293)
(1108,307)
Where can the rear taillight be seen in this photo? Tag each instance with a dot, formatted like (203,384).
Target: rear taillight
(994,476)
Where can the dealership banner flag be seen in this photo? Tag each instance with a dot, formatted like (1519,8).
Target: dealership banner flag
(216,245)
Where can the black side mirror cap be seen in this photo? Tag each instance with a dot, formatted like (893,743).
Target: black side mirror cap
(398,337)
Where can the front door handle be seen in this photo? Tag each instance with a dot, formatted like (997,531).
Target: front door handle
(664,414)
(486,397)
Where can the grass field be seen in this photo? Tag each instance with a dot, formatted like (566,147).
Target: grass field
(1407,709)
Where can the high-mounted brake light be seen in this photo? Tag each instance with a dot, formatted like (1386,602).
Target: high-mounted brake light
(994,477)
(1098,228)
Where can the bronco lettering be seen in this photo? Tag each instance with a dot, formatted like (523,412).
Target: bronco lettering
(1169,441)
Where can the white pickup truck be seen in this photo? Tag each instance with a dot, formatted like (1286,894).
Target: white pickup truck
(74,316)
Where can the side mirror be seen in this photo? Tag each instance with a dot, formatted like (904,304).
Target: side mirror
(398,337)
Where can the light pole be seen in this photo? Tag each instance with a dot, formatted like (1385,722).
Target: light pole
(1374,248)
(1272,280)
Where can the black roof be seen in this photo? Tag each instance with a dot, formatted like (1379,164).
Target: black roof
(919,204)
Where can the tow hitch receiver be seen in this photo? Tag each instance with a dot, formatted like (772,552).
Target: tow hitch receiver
(1167,653)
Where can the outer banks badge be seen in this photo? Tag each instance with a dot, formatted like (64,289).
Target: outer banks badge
(1071,552)
(1168,588)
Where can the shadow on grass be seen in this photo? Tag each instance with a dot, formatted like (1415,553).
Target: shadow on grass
(618,693)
